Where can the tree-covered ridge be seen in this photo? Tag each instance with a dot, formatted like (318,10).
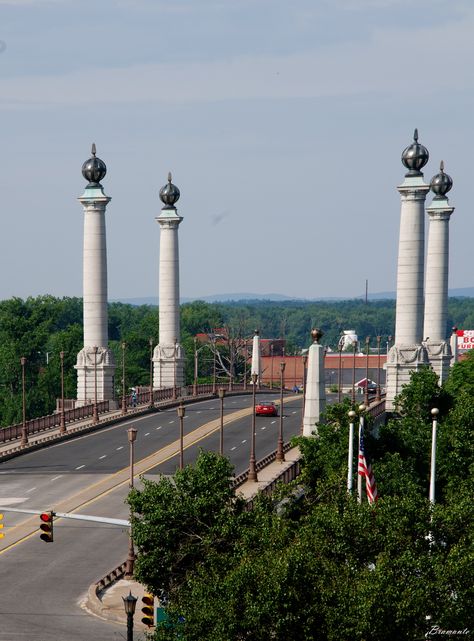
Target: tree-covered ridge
(322,567)
(39,328)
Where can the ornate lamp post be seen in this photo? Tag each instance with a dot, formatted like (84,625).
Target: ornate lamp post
(280,455)
(354,348)
(124,400)
(132,437)
(252,463)
(174,370)
(231,365)
(95,413)
(378,395)
(214,368)
(129,603)
(181,412)
(339,376)
(24,430)
(221,439)
(245,364)
(434,414)
(195,368)
(271,372)
(62,425)
(150,343)
(362,409)
(350,456)
(366,395)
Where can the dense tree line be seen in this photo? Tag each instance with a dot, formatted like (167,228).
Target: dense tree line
(319,565)
(39,328)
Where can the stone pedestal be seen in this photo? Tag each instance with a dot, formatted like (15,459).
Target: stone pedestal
(256,367)
(315,396)
(86,375)
(439,356)
(402,360)
(168,366)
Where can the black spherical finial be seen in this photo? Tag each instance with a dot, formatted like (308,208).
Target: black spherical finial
(441,183)
(316,335)
(94,169)
(415,156)
(169,194)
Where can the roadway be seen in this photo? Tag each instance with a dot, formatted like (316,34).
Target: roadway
(47,582)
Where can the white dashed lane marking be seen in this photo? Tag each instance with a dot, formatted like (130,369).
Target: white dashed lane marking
(159,428)
(147,434)
(56,477)
(31,489)
(233,448)
(120,448)
(264,427)
(244,441)
(103,456)
(80,467)
(171,422)
(273,422)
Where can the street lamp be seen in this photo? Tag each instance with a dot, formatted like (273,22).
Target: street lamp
(150,343)
(221,441)
(366,395)
(378,395)
(95,413)
(195,367)
(280,455)
(124,400)
(181,412)
(271,373)
(24,430)
(132,436)
(434,414)
(174,369)
(350,456)
(246,353)
(252,464)
(62,425)
(339,381)
(354,348)
(129,603)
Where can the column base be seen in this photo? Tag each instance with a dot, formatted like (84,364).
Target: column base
(86,376)
(402,360)
(440,357)
(168,366)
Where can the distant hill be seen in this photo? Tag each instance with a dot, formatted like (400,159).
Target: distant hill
(462,292)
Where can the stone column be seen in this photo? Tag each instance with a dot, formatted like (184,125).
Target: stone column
(408,353)
(91,366)
(168,356)
(315,397)
(256,366)
(437,267)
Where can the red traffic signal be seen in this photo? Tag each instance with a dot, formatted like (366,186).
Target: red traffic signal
(46,526)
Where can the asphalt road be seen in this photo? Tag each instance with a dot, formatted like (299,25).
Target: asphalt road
(45,583)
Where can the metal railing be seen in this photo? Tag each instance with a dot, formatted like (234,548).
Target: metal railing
(51,421)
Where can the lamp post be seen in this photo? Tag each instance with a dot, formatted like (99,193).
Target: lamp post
(280,455)
(174,370)
(95,413)
(231,364)
(434,414)
(24,430)
(271,372)
(339,375)
(124,400)
(350,456)
(245,364)
(62,424)
(305,362)
(132,437)
(252,463)
(129,603)
(378,394)
(366,395)
(214,367)
(221,439)
(181,412)
(195,368)
(150,343)
(362,409)
(354,348)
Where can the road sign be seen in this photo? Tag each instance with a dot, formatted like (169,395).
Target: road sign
(465,339)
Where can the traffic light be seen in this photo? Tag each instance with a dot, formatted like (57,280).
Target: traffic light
(148,601)
(1,527)
(46,526)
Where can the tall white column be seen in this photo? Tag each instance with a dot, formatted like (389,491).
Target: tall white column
(95,370)
(437,268)
(408,352)
(168,356)
(256,366)
(315,397)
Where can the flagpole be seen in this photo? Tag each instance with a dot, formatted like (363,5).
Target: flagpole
(434,414)
(361,429)
(350,457)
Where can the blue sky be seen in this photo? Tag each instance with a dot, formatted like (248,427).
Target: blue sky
(282,122)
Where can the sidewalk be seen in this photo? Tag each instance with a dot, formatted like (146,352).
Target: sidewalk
(108,604)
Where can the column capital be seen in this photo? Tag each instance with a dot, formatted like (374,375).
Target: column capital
(439,209)
(94,195)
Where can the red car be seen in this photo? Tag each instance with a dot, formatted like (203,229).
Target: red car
(266,408)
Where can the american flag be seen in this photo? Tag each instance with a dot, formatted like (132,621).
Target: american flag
(365,469)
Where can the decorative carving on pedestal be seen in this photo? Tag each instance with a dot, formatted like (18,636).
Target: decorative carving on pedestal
(439,355)
(88,366)
(402,360)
